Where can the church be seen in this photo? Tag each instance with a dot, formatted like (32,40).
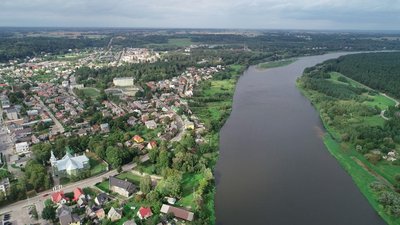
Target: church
(69,165)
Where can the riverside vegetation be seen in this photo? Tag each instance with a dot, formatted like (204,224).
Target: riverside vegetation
(362,122)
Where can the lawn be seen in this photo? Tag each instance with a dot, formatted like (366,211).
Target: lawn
(180,42)
(174,42)
(274,64)
(91,92)
(97,165)
(190,183)
(45,77)
(130,177)
(104,186)
(360,176)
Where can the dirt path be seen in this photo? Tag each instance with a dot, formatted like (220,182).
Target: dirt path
(372,172)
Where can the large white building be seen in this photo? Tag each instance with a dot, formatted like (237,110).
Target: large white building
(22,147)
(69,165)
(123,81)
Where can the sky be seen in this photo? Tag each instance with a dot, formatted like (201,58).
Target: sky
(247,14)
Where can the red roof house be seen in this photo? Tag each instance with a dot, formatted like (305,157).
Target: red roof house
(77,193)
(58,197)
(152,144)
(138,139)
(144,213)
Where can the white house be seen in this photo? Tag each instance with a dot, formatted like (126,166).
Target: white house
(22,147)
(151,124)
(123,81)
(4,185)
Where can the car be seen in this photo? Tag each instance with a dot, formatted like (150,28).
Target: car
(7,223)
(45,195)
(6,217)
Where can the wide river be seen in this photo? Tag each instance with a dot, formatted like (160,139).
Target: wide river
(273,166)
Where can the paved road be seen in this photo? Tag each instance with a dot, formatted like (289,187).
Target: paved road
(58,127)
(89,182)
(179,122)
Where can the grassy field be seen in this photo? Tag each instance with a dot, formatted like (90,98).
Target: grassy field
(130,177)
(45,77)
(214,110)
(91,92)
(352,161)
(190,184)
(104,186)
(274,64)
(175,42)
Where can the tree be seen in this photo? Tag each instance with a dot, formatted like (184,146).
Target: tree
(36,175)
(42,152)
(145,184)
(49,213)
(4,174)
(114,156)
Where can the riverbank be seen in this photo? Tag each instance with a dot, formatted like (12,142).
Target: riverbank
(273,64)
(212,104)
(363,172)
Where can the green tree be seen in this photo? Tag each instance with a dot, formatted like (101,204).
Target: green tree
(145,184)
(49,213)
(36,175)
(42,152)
(114,156)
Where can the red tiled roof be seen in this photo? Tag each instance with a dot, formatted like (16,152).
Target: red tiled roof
(145,212)
(57,196)
(77,192)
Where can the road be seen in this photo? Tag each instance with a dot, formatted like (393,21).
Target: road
(89,182)
(383,111)
(58,127)
(179,122)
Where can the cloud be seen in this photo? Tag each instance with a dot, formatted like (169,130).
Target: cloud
(304,14)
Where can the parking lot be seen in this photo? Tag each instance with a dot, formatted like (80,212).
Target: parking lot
(22,216)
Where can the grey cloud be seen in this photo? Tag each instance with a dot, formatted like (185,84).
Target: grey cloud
(305,14)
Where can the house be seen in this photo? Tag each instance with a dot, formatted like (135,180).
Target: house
(69,165)
(151,124)
(123,81)
(105,128)
(101,199)
(100,213)
(4,185)
(189,125)
(22,147)
(12,114)
(78,194)
(130,222)
(152,144)
(66,217)
(58,198)
(80,197)
(177,212)
(122,187)
(114,214)
(138,139)
(144,213)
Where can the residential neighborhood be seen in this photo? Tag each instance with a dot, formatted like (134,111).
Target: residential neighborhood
(48,116)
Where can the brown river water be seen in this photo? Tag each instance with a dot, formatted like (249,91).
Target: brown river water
(273,167)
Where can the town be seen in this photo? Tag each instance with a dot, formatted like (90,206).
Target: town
(62,149)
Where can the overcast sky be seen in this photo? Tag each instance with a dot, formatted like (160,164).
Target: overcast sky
(272,14)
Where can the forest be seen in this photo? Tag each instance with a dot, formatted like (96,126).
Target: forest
(346,93)
(171,65)
(379,71)
(17,44)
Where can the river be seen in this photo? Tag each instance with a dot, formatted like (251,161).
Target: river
(273,167)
